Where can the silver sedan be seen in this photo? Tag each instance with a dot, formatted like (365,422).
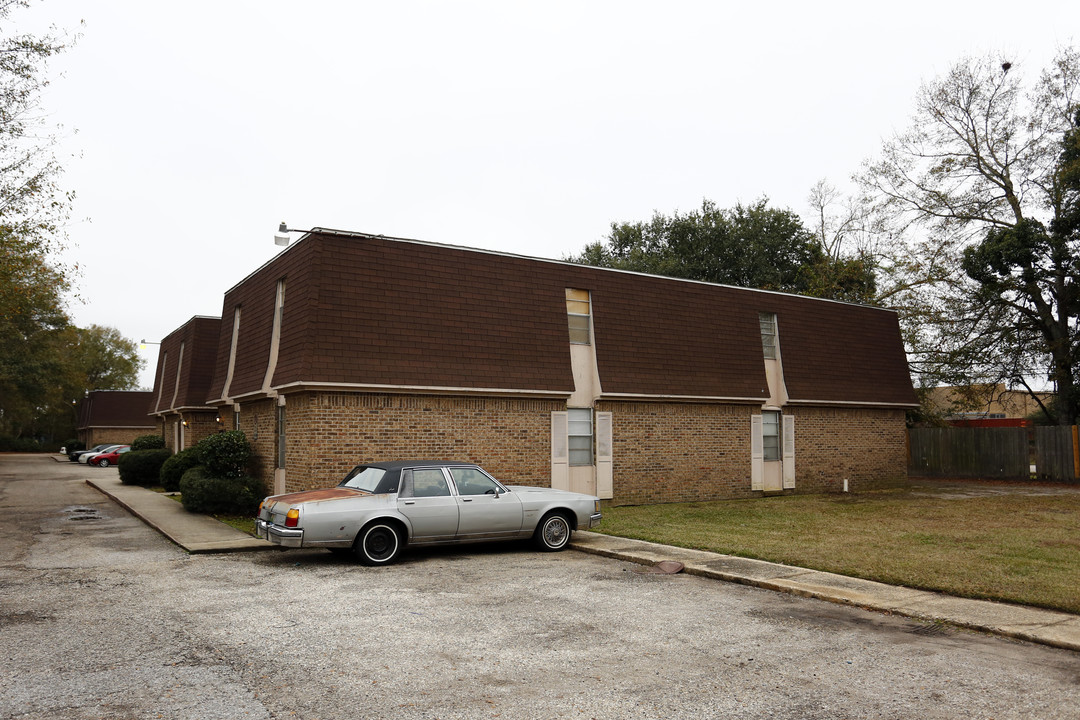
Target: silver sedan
(380,508)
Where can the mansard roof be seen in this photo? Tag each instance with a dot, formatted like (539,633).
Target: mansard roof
(364,312)
(185,366)
(115,409)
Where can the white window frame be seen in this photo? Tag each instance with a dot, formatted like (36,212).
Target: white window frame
(579,335)
(767,324)
(577,418)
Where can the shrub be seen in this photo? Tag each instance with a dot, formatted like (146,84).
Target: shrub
(18,444)
(204,493)
(225,454)
(142,467)
(147,442)
(73,445)
(174,468)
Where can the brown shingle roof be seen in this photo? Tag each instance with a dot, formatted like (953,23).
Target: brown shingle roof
(196,341)
(115,409)
(364,310)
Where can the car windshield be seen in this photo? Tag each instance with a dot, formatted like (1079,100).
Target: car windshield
(364,478)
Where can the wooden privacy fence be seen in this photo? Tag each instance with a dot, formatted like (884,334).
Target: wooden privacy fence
(1048,453)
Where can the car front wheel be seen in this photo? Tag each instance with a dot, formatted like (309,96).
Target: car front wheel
(553,533)
(103,463)
(378,544)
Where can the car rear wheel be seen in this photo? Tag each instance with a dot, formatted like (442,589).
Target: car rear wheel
(103,463)
(553,532)
(378,544)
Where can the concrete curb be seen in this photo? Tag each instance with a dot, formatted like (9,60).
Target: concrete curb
(1047,627)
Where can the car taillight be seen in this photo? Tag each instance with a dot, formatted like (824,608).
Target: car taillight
(292,517)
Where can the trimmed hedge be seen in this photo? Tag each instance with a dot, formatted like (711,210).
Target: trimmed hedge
(174,468)
(142,467)
(147,442)
(201,492)
(225,454)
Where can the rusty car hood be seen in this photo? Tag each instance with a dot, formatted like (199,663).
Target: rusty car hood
(334,493)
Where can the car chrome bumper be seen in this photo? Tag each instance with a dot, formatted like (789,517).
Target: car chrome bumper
(594,519)
(285,537)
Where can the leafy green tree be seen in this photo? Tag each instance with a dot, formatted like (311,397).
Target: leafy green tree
(977,204)
(36,340)
(749,246)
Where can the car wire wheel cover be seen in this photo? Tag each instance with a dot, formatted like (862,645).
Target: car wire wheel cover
(555,532)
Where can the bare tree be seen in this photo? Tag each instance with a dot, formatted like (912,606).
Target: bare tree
(977,173)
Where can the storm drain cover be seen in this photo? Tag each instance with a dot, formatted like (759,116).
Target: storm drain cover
(77,514)
(665,567)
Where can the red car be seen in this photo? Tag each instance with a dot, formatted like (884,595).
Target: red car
(109,458)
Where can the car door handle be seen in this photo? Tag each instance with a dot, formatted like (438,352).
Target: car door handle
(410,502)
(465,499)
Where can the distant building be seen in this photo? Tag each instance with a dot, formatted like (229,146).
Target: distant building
(113,416)
(348,348)
(987,405)
(184,373)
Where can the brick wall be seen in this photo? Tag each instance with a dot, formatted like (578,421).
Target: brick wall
(674,452)
(693,452)
(330,433)
(112,436)
(679,452)
(868,447)
(258,421)
(200,425)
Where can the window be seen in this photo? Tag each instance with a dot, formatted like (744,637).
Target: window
(768,334)
(578,312)
(580,435)
(364,478)
(770,434)
(428,482)
(471,481)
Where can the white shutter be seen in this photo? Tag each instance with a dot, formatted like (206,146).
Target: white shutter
(757,454)
(789,452)
(604,478)
(560,452)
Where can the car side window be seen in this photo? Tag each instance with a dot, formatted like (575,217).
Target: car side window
(424,483)
(471,481)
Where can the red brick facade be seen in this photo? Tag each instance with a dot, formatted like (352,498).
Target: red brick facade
(662,452)
(867,447)
(329,433)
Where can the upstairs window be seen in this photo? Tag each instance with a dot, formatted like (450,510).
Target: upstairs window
(768,334)
(578,313)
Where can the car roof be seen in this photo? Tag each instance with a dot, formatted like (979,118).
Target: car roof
(399,464)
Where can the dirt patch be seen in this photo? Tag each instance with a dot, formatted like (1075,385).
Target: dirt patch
(960,489)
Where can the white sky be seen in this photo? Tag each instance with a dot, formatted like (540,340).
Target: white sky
(525,127)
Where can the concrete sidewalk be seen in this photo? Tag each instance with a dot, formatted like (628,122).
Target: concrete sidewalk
(202,534)
(195,533)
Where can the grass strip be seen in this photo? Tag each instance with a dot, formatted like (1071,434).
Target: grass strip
(1011,547)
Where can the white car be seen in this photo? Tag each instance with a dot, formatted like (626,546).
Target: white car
(380,508)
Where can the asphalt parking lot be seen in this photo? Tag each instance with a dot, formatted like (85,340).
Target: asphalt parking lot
(101,617)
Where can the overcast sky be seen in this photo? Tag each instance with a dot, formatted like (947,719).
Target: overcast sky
(193,129)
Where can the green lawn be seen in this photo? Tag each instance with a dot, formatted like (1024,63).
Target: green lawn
(1015,548)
